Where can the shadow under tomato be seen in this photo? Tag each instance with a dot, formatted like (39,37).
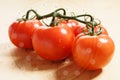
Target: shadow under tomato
(64,70)
(70,71)
(29,60)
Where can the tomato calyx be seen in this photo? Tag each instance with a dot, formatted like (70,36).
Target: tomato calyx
(90,28)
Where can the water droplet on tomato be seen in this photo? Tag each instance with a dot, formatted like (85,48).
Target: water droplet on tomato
(73,24)
(14,36)
(88,50)
(99,44)
(69,24)
(21,44)
(63,31)
(92,61)
(103,40)
(36,25)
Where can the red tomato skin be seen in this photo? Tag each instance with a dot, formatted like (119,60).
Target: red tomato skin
(93,52)
(75,26)
(53,43)
(20,32)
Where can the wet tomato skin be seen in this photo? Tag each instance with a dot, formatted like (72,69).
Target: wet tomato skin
(75,26)
(20,32)
(93,52)
(53,43)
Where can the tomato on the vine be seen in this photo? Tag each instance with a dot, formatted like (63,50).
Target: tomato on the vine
(20,32)
(74,25)
(54,42)
(92,51)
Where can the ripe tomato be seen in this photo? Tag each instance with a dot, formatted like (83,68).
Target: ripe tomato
(74,25)
(92,52)
(20,32)
(53,43)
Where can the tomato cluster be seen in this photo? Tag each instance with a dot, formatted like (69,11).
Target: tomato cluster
(86,40)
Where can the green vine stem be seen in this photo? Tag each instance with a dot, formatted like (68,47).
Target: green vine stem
(90,24)
(53,23)
(37,16)
(75,18)
(64,11)
(56,14)
(26,17)
(31,10)
(52,13)
(71,17)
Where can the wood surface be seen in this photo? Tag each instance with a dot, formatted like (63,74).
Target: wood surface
(25,64)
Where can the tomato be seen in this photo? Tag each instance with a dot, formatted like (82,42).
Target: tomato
(20,32)
(92,52)
(53,43)
(74,25)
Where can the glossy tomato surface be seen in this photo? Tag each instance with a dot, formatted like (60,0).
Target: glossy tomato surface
(53,43)
(20,32)
(75,26)
(92,52)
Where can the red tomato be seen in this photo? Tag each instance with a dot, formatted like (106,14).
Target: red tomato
(92,52)
(53,43)
(20,32)
(74,25)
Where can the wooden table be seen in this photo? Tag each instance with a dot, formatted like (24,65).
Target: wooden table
(20,64)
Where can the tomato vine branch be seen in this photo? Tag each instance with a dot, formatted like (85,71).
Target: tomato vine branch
(90,24)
